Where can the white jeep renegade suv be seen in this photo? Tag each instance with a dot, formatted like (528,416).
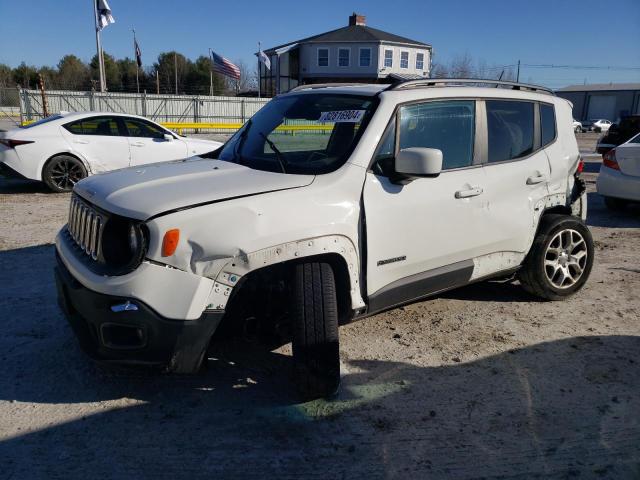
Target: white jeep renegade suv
(331,203)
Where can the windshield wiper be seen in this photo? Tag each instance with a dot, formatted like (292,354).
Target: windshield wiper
(278,153)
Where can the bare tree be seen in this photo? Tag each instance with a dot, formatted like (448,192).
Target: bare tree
(248,76)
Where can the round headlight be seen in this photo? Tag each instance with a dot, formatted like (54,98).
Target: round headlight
(123,244)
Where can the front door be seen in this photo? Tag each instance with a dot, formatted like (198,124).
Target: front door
(149,145)
(422,236)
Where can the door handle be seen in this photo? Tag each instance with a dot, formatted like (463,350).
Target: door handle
(535,179)
(137,144)
(473,192)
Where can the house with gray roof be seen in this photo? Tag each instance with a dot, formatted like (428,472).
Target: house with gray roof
(354,53)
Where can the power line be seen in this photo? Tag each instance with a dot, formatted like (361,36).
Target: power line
(579,67)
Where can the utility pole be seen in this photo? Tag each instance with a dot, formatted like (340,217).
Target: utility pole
(157,82)
(518,74)
(103,83)
(45,107)
(175,65)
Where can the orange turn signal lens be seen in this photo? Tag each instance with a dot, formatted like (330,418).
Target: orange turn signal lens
(170,242)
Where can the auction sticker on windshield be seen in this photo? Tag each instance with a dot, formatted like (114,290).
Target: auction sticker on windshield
(349,116)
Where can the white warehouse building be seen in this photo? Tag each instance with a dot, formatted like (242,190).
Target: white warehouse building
(355,53)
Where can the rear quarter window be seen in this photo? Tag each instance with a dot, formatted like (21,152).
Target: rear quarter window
(547,123)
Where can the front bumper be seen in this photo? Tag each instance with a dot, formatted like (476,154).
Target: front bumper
(613,183)
(129,336)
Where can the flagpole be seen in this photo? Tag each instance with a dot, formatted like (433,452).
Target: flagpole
(135,56)
(259,75)
(210,74)
(103,84)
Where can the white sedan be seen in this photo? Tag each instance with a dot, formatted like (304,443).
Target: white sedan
(62,149)
(601,125)
(619,178)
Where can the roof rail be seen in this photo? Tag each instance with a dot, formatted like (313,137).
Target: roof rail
(312,86)
(433,82)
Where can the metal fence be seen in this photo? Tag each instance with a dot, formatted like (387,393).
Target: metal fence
(160,108)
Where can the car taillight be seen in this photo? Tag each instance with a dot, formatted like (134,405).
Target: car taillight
(609,160)
(580,168)
(14,143)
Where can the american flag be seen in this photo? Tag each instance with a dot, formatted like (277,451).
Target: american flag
(224,66)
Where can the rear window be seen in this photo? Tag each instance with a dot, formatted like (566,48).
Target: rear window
(44,120)
(510,129)
(547,123)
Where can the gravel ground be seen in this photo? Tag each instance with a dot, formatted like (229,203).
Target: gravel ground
(482,382)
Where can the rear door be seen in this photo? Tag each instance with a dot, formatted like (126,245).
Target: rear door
(517,172)
(148,143)
(100,141)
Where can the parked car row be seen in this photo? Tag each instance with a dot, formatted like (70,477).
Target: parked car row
(597,125)
(63,149)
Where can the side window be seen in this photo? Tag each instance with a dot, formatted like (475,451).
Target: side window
(547,123)
(365,57)
(388,58)
(343,57)
(105,126)
(323,57)
(383,163)
(140,128)
(448,126)
(404,59)
(510,129)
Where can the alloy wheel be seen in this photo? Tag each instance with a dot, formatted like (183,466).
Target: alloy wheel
(565,258)
(66,173)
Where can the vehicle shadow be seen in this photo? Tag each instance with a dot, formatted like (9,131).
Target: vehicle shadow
(598,215)
(16,185)
(548,410)
(492,291)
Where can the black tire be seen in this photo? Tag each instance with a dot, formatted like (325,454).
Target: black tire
(62,172)
(316,352)
(615,204)
(557,278)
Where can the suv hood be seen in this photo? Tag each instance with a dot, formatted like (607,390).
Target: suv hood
(150,190)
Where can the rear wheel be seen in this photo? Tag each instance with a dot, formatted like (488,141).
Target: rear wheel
(62,172)
(578,129)
(560,259)
(615,204)
(316,352)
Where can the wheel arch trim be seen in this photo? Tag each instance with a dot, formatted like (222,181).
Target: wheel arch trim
(329,246)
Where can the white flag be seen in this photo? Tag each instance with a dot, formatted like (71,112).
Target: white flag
(264,59)
(104,14)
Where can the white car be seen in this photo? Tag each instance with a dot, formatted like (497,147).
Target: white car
(601,125)
(331,203)
(577,126)
(619,178)
(62,149)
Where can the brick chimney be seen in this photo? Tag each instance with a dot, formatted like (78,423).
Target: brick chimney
(356,19)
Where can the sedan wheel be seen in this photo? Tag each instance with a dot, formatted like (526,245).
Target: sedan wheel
(61,173)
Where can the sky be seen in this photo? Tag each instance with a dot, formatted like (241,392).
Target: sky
(498,32)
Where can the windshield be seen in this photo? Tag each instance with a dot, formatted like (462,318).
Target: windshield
(304,134)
